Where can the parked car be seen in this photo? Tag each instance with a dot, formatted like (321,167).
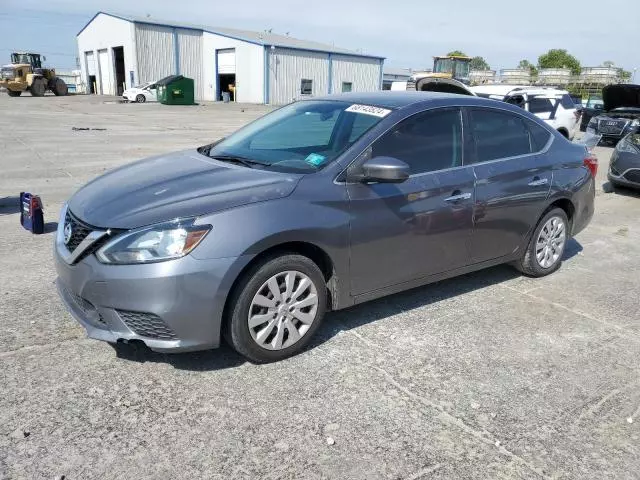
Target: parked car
(320,205)
(621,115)
(555,107)
(592,108)
(624,167)
(147,92)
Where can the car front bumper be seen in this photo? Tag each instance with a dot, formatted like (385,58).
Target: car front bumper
(628,178)
(170,306)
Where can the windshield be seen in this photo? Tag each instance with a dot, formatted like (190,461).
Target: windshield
(443,65)
(303,137)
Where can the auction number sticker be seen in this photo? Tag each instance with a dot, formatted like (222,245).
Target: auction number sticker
(369,110)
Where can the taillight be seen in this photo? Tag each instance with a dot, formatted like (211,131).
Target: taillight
(591,162)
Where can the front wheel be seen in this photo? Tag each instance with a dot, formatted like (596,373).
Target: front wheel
(277,308)
(543,256)
(141,98)
(38,87)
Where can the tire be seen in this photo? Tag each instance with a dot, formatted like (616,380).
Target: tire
(38,87)
(14,94)
(277,323)
(59,88)
(529,264)
(141,98)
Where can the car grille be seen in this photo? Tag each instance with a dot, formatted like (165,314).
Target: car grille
(611,127)
(87,308)
(633,175)
(147,325)
(79,231)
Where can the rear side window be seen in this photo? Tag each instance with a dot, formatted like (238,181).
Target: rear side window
(567,102)
(499,135)
(539,136)
(540,105)
(427,141)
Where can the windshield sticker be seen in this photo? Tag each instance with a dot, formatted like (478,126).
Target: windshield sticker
(369,110)
(315,159)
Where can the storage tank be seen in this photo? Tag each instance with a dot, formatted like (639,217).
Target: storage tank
(479,77)
(554,76)
(603,75)
(515,76)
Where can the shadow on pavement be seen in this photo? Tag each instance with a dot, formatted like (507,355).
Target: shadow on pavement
(335,322)
(50,227)
(607,187)
(9,205)
(219,359)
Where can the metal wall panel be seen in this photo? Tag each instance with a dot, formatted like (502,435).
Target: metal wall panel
(190,56)
(362,73)
(288,67)
(155,51)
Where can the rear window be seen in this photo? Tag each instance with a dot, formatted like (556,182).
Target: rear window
(567,102)
(540,105)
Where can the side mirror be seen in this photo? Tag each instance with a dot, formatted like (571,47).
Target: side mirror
(384,170)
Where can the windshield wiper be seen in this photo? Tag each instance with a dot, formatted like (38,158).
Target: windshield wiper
(239,160)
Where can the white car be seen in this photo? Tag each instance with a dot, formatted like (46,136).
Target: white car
(141,93)
(555,107)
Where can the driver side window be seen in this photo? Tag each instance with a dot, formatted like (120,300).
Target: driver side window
(427,142)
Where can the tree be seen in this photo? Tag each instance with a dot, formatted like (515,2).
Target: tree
(527,65)
(479,63)
(559,58)
(456,53)
(608,64)
(625,75)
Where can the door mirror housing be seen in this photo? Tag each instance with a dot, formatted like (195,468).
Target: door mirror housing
(384,170)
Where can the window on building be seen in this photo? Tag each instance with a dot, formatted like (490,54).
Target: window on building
(347,87)
(427,141)
(306,87)
(499,135)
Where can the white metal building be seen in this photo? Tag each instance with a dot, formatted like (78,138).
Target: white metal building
(117,52)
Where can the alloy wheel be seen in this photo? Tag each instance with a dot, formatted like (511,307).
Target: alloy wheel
(283,310)
(550,242)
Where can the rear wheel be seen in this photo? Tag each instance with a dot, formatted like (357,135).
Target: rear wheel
(14,94)
(38,87)
(277,308)
(141,98)
(546,247)
(59,88)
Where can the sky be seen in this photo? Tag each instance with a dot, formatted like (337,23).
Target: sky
(407,33)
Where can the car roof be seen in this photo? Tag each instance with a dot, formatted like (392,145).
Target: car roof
(395,99)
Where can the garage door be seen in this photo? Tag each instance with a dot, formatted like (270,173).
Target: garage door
(91,63)
(227,61)
(106,86)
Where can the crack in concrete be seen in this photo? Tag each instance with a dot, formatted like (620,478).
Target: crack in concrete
(8,353)
(481,436)
(425,471)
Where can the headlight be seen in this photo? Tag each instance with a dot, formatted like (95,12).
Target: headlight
(157,243)
(591,129)
(635,123)
(626,146)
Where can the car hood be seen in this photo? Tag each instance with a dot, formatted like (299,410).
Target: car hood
(616,96)
(181,184)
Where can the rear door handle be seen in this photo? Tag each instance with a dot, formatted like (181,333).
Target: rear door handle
(457,197)
(538,182)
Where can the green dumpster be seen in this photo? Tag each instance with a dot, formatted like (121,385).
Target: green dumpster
(175,90)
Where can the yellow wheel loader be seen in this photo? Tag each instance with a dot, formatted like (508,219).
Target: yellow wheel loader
(25,72)
(450,74)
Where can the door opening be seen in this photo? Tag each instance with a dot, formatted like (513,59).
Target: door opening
(227,82)
(92,84)
(118,60)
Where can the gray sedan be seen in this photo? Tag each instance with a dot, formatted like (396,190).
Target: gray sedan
(318,206)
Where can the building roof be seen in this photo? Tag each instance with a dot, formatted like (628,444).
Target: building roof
(258,38)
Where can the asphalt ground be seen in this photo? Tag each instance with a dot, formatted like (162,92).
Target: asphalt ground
(488,376)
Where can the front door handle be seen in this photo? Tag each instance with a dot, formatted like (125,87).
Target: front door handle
(457,197)
(538,182)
